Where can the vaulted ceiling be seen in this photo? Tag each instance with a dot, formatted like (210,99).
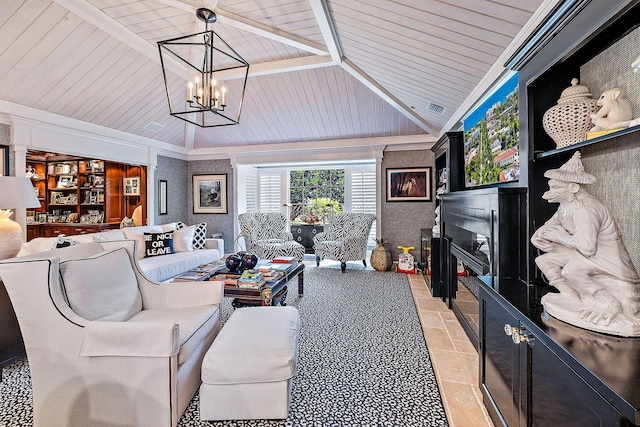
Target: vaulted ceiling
(320,70)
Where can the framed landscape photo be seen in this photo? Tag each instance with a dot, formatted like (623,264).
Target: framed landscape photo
(210,193)
(409,185)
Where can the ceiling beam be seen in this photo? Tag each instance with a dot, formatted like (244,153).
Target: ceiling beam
(321,12)
(228,18)
(365,79)
(277,67)
(242,23)
(112,27)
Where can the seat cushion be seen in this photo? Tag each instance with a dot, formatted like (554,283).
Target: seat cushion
(165,267)
(195,324)
(256,344)
(102,287)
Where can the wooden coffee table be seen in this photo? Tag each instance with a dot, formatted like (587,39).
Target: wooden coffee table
(276,291)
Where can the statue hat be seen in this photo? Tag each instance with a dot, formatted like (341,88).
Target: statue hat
(572,171)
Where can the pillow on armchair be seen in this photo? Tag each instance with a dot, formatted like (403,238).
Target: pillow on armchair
(102,287)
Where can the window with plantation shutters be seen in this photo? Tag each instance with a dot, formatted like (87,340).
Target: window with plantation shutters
(363,194)
(269,194)
(251,188)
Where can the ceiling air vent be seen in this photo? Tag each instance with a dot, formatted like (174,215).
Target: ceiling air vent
(154,127)
(435,108)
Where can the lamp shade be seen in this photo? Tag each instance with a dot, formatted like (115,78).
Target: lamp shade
(17,192)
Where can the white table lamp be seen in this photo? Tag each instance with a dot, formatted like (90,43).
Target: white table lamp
(15,192)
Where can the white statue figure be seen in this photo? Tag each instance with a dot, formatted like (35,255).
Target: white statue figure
(615,110)
(585,258)
(435,230)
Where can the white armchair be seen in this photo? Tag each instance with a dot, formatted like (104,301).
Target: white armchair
(346,239)
(105,345)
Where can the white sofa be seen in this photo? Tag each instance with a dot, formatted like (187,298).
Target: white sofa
(107,346)
(158,268)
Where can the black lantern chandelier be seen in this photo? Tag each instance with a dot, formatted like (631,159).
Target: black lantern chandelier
(209,60)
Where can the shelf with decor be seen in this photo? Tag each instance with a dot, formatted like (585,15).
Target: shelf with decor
(535,369)
(634,130)
(79,194)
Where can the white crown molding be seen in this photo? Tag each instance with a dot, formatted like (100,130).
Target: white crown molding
(54,132)
(314,147)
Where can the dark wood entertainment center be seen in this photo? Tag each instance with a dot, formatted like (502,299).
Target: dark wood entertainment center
(534,369)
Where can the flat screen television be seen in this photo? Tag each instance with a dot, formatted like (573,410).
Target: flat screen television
(491,147)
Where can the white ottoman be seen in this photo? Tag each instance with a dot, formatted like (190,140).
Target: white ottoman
(246,374)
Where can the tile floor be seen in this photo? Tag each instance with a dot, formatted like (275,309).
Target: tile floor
(454,359)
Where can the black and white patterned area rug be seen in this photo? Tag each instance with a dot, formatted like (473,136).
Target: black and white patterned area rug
(362,359)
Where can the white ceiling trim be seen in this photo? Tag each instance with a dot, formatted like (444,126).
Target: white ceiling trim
(274,34)
(81,127)
(237,21)
(110,26)
(388,97)
(321,12)
(327,146)
(277,67)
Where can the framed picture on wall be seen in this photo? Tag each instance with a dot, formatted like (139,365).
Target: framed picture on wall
(210,193)
(132,186)
(409,185)
(162,197)
(4,160)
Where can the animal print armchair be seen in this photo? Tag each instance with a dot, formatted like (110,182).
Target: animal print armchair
(266,235)
(346,239)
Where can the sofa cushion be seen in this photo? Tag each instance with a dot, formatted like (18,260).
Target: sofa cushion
(183,239)
(195,324)
(158,244)
(108,235)
(163,268)
(102,287)
(199,236)
(137,233)
(37,245)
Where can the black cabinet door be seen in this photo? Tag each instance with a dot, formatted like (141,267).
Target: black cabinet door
(304,234)
(499,362)
(559,396)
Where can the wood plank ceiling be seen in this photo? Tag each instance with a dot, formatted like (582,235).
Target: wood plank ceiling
(320,69)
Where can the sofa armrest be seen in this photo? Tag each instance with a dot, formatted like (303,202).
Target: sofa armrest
(215,244)
(181,294)
(130,339)
(286,236)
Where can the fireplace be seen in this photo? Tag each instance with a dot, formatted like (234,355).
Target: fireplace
(482,236)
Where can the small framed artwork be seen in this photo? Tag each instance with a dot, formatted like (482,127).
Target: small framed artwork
(210,193)
(162,197)
(409,185)
(132,186)
(65,181)
(42,217)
